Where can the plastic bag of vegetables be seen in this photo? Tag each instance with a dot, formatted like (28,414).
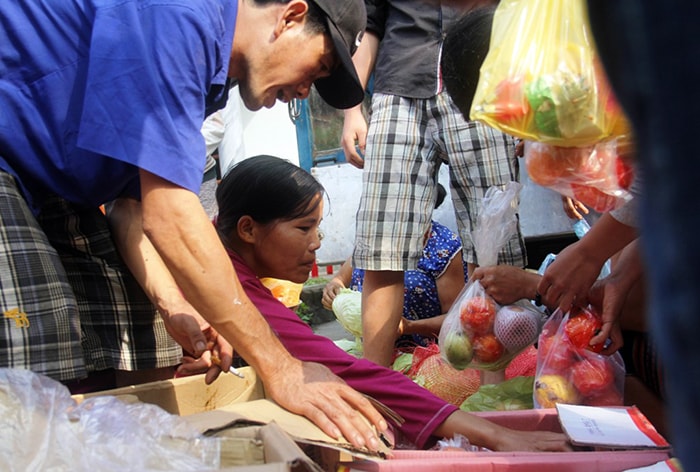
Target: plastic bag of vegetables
(555,91)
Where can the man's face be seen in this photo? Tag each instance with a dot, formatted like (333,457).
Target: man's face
(285,68)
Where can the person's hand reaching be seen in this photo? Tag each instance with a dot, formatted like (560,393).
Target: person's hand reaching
(197,338)
(573,208)
(608,298)
(610,294)
(568,279)
(330,290)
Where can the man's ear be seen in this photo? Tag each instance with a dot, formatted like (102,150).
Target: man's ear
(246,229)
(294,14)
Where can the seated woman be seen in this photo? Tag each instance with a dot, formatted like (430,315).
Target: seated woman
(269,215)
(429,290)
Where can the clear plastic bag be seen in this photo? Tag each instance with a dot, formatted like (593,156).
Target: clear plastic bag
(594,175)
(477,332)
(569,371)
(496,222)
(45,429)
(541,79)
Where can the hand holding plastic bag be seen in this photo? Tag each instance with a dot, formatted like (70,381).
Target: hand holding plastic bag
(571,371)
(477,332)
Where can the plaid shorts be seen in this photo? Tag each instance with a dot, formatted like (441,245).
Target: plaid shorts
(70,305)
(408,139)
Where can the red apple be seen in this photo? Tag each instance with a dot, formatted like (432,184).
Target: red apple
(556,353)
(548,165)
(580,328)
(592,375)
(477,315)
(487,348)
(607,397)
(594,198)
(624,172)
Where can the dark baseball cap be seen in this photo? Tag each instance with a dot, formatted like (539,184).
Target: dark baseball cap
(346,20)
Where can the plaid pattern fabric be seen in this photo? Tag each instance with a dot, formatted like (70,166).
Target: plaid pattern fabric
(408,140)
(85,310)
(40,327)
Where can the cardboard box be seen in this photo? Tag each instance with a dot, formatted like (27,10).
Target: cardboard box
(245,447)
(188,395)
(525,420)
(228,405)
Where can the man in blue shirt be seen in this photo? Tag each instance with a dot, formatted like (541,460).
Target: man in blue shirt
(103,100)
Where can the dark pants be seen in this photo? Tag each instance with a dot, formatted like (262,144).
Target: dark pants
(650,51)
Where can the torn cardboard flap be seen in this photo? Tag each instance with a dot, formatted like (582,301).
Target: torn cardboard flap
(266,411)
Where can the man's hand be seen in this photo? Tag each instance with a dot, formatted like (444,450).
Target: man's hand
(312,390)
(354,132)
(186,326)
(569,278)
(506,284)
(608,298)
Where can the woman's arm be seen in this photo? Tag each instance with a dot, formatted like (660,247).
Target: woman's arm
(451,282)
(336,284)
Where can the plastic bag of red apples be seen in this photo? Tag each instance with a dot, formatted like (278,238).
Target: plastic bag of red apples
(569,369)
(479,333)
(598,176)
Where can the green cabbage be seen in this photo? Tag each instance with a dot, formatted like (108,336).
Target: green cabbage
(347,307)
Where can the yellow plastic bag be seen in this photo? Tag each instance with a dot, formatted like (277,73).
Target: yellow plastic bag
(541,79)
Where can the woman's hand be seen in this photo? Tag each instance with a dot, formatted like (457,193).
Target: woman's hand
(533,441)
(330,291)
(312,390)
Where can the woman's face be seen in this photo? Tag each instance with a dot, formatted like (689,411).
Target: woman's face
(287,249)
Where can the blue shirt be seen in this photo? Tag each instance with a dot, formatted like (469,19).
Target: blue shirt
(91,91)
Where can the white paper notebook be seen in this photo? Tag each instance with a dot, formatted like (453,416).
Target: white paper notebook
(610,427)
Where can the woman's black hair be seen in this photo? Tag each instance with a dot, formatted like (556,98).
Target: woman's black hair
(463,52)
(441,194)
(266,188)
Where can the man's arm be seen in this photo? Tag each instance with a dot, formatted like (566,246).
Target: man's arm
(175,223)
(569,278)
(182,321)
(354,125)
